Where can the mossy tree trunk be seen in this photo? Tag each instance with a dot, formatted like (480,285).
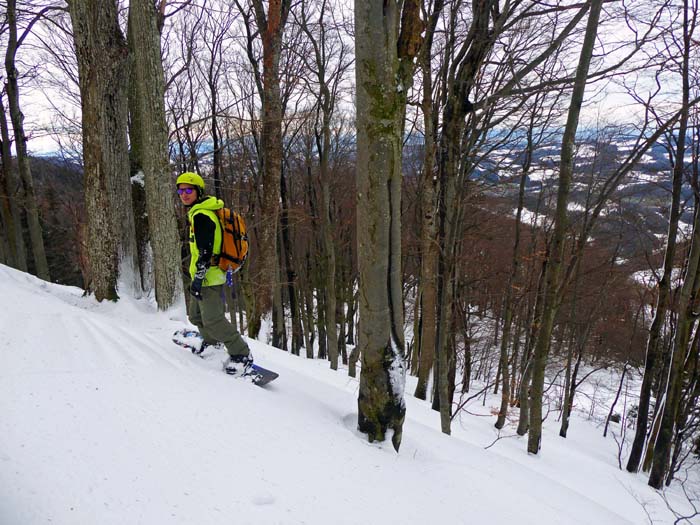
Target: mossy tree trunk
(386,42)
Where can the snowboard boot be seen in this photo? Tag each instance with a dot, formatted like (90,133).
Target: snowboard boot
(238,365)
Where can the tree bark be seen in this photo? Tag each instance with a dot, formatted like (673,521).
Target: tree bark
(153,132)
(102,56)
(384,63)
(292,281)
(11,189)
(279,330)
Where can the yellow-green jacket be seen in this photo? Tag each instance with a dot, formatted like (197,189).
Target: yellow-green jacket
(214,275)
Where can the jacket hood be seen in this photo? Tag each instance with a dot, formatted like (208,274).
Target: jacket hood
(208,203)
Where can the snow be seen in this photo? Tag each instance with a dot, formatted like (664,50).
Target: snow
(104,420)
(139,178)
(532,218)
(542,174)
(575,206)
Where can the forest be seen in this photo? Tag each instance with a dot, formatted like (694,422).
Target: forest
(501,191)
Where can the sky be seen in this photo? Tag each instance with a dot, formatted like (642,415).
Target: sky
(607,102)
(104,420)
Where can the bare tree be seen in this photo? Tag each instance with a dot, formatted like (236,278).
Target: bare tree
(387,38)
(330,60)
(10,192)
(270,30)
(686,316)
(102,54)
(427,292)
(153,131)
(556,248)
(12,89)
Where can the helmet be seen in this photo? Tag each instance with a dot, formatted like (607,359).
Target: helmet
(191,178)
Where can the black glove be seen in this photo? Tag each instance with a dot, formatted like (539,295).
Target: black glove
(196,289)
(196,286)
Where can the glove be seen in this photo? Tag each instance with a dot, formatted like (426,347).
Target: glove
(196,286)
(196,289)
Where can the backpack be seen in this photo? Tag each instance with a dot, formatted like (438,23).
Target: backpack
(234,242)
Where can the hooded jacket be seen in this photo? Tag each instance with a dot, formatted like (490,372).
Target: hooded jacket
(205,239)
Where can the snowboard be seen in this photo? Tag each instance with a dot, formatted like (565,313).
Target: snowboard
(192,340)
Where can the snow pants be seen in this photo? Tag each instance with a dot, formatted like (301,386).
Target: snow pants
(209,315)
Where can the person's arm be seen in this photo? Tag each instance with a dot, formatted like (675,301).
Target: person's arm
(204,230)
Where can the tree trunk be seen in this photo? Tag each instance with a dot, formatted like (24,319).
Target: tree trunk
(152,130)
(10,195)
(328,245)
(664,287)
(514,271)
(292,291)
(25,173)
(271,28)
(384,63)
(102,56)
(321,316)
(428,207)
(279,330)
(551,291)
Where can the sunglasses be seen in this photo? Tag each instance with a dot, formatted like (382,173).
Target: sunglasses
(188,191)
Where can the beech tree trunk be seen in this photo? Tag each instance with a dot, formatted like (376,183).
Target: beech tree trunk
(384,65)
(292,281)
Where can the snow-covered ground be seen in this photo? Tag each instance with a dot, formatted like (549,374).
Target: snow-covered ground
(104,420)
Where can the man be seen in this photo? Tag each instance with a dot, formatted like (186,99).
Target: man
(207,288)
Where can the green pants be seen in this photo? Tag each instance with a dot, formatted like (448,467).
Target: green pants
(209,316)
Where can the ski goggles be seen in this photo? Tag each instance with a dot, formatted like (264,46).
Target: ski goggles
(188,191)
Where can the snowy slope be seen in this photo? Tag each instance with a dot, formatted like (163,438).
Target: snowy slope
(104,420)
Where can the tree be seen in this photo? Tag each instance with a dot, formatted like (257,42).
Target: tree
(102,55)
(427,293)
(270,24)
(10,190)
(149,102)
(12,89)
(557,244)
(387,38)
(686,316)
(330,61)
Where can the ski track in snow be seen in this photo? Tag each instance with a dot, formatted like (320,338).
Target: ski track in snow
(104,420)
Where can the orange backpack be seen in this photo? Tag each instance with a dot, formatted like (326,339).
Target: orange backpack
(234,244)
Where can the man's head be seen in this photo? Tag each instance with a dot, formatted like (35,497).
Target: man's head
(190,187)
